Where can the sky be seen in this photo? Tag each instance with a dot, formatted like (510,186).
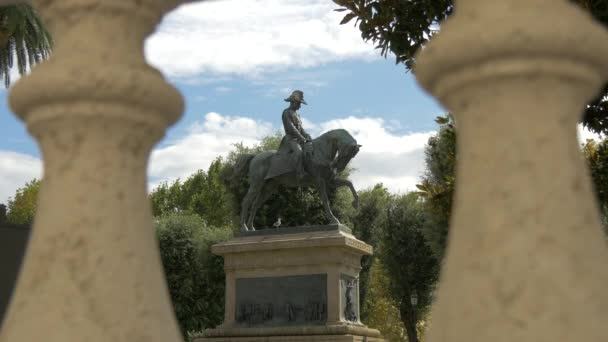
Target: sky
(235,61)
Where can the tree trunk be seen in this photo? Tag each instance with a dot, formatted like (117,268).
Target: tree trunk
(408,318)
(4,37)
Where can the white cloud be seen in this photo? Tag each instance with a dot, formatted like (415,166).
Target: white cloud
(246,37)
(15,76)
(397,160)
(16,169)
(584,134)
(207,139)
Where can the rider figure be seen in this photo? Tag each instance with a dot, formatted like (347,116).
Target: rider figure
(295,135)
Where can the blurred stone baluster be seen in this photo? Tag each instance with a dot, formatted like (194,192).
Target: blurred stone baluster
(526,259)
(92,271)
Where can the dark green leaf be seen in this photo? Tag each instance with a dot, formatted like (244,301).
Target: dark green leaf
(347,18)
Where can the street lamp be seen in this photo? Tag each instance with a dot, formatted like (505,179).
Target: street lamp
(414,299)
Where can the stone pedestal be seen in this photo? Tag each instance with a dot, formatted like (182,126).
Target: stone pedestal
(292,284)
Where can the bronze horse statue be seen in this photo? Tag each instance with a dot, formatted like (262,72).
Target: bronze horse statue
(324,158)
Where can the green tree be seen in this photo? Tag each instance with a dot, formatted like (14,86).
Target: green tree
(3,211)
(22,208)
(410,263)
(22,37)
(437,183)
(382,314)
(213,201)
(166,198)
(367,226)
(203,193)
(396,26)
(195,276)
(403,27)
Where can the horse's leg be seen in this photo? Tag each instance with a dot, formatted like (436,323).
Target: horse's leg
(245,206)
(266,191)
(322,189)
(345,182)
(257,172)
(254,208)
(254,193)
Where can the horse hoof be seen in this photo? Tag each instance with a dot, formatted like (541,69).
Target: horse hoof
(244,229)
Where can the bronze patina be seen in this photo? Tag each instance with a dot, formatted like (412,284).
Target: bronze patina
(300,161)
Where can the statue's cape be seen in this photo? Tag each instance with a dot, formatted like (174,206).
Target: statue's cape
(284,161)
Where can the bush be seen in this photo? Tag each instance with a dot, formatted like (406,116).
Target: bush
(195,276)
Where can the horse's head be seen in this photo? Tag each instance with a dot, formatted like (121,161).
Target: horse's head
(345,154)
(335,148)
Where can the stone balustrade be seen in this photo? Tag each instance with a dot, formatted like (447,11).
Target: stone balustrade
(526,256)
(526,259)
(92,270)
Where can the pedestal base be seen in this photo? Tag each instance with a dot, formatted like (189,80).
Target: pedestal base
(292,284)
(344,333)
(315,338)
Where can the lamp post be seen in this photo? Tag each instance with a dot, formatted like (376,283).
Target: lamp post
(414,301)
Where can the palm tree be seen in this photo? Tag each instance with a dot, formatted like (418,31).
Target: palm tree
(22,37)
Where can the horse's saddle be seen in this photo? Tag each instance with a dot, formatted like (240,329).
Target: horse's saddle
(283,161)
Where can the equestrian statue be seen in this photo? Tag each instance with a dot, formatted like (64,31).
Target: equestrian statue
(300,162)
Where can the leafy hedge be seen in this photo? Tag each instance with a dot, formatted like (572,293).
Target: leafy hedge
(194,275)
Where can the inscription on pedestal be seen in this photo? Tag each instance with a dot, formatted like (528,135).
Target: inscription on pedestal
(276,301)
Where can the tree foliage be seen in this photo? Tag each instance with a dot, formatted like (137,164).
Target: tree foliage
(22,37)
(412,267)
(437,183)
(382,313)
(195,276)
(22,207)
(367,226)
(396,26)
(3,211)
(203,193)
(403,27)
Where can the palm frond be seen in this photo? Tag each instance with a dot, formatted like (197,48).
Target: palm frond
(28,40)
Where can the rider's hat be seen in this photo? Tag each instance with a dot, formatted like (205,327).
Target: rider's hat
(296,96)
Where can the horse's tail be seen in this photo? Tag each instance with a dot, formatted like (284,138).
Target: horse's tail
(241,167)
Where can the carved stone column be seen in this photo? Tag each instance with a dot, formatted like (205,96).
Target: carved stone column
(526,259)
(92,271)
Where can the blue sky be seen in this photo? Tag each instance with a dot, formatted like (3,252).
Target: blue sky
(236,60)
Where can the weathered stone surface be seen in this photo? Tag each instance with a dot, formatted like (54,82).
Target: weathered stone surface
(294,230)
(313,338)
(307,333)
(328,255)
(92,271)
(526,256)
(294,338)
